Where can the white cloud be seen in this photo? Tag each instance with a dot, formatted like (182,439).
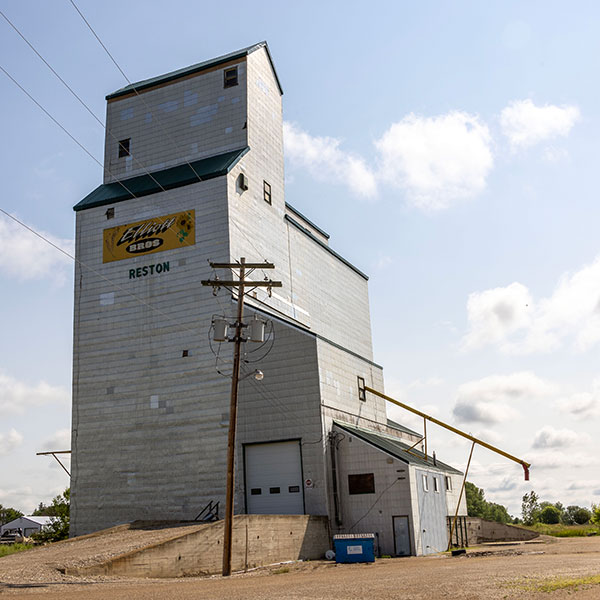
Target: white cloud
(383,262)
(507,484)
(425,383)
(526,124)
(552,154)
(555,459)
(9,441)
(437,160)
(325,160)
(583,405)
(548,437)
(489,436)
(509,318)
(16,396)
(583,484)
(495,314)
(59,440)
(486,400)
(25,256)
(477,411)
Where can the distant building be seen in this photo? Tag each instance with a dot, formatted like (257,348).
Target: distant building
(28,525)
(194,172)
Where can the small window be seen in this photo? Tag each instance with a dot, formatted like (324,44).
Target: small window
(425,483)
(230,77)
(436,487)
(362,394)
(267,192)
(363,483)
(448,483)
(124,147)
(274,490)
(255,491)
(294,489)
(110,213)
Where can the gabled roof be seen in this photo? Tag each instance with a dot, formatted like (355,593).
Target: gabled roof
(18,522)
(197,68)
(396,448)
(39,519)
(178,176)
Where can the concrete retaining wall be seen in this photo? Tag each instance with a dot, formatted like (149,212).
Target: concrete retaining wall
(480,530)
(257,540)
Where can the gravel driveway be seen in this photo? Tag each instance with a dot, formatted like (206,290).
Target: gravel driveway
(490,572)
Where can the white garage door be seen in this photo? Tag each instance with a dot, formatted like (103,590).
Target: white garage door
(274,479)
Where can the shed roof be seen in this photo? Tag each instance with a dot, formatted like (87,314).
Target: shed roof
(399,427)
(174,177)
(18,522)
(197,68)
(394,447)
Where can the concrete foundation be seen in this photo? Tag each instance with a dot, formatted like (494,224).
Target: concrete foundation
(258,540)
(480,530)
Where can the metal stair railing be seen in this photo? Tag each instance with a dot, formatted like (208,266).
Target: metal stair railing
(209,513)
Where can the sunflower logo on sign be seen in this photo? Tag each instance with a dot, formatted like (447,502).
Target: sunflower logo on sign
(185,226)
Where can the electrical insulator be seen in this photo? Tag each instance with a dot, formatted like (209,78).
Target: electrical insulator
(220,326)
(257,330)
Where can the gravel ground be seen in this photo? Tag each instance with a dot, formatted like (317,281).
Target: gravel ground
(46,564)
(491,572)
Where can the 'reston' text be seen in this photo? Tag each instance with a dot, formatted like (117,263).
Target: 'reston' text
(148,270)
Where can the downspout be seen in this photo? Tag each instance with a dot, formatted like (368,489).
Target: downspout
(334,482)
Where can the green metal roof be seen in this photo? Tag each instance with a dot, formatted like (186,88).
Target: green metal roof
(394,447)
(399,427)
(197,68)
(144,185)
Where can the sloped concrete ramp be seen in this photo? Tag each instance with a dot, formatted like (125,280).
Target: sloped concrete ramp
(197,550)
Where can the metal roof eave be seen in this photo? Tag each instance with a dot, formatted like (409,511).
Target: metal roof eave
(323,245)
(195,69)
(168,179)
(397,449)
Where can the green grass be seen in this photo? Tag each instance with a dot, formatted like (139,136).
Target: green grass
(560,583)
(282,570)
(565,530)
(7,549)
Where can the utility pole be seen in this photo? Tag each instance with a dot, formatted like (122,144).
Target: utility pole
(241,284)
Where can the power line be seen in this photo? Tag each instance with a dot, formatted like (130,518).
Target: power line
(79,262)
(65,130)
(167,134)
(170,138)
(56,122)
(108,131)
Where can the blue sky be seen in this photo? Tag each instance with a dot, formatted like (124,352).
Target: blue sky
(449,149)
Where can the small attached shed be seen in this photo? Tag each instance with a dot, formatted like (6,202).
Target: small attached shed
(393,490)
(28,524)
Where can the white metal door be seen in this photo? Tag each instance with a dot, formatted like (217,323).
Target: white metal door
(401,536)
(274,479)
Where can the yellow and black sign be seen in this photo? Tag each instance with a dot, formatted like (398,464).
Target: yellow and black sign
(149,236)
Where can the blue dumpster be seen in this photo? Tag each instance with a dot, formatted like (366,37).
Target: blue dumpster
(354,547)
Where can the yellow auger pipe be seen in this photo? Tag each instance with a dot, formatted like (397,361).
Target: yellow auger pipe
(524,464)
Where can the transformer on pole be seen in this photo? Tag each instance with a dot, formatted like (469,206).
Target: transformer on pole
(243,287)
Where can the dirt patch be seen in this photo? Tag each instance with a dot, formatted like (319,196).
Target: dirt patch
(554,569)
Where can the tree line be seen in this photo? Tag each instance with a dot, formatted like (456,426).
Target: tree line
(58,510)
(532,510)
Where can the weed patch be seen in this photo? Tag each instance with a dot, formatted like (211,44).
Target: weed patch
(558,583)
(282,570)
(7,549)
